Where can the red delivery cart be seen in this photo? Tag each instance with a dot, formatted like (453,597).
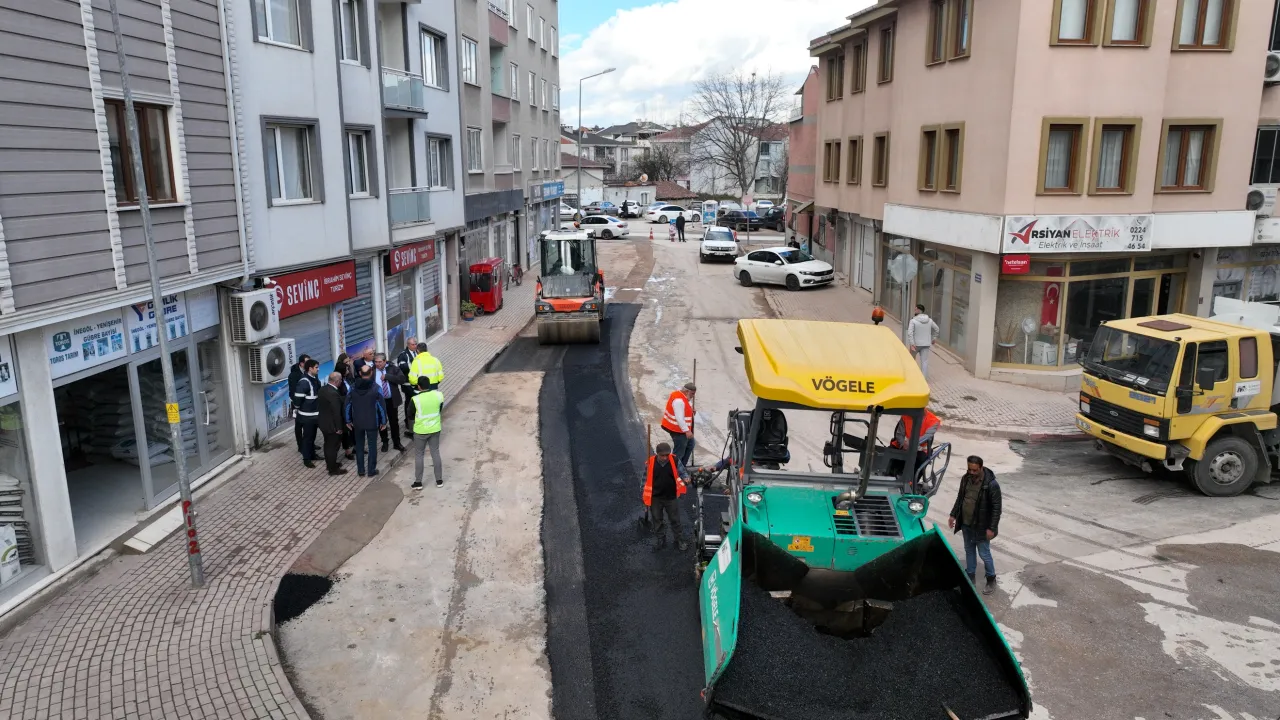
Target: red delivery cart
(486,284)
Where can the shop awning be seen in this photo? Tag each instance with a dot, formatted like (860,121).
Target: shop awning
(802,207)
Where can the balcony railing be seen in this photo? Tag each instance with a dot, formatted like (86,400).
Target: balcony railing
(410,205)
(499,25)
(499,11)
(797,111)
(402,90)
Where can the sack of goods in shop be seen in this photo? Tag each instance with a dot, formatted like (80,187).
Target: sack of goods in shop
(9,564)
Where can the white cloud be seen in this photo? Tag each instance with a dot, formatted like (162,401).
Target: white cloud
(661,50)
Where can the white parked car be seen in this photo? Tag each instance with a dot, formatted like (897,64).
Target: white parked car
(761,205)
(604,226)
(718,242)
(667,213)
(567,212)
(782,266)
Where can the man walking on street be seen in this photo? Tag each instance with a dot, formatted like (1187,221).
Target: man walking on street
(680,226)
(977,515)
(366,415)
(425,365)
(331,422)
(921,332)
(295,373)
(404,361)
(387,379)
(306,396)
(663,484)
(429,402)
(677,420)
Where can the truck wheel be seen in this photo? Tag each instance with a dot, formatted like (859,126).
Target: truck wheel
(1228,468)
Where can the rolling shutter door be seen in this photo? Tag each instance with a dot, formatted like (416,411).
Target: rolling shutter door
(310,333)
(357,313)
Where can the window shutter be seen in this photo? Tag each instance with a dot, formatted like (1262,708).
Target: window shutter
(310,333)
(357,313)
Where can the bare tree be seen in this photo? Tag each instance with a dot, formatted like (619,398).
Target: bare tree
(663,162)
(740,109)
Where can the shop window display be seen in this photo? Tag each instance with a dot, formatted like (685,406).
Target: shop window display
(17,504)
(890,290)
(1251,274)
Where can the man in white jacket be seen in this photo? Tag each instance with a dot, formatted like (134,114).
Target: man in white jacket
(921,332)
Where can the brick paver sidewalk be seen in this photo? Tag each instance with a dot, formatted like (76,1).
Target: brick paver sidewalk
(136,642)
(964,402)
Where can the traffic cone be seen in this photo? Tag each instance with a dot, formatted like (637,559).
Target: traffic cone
(650,234)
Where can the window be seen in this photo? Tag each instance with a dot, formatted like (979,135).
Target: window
(515,81)
(831,161)
(475,151)
(961,27)
(1266,157)
(555,97)
(1128,22)
(528,25)
(542,87)
(835,77)
(886,54)
(952,158)
(555,158)
(439,163)
(1186,156)
(157,160)
(859,73)
(470,73)
(358,163)
(546,154)
(555,42)
(1061,150)
(290,148)
(434,70)
(533,89)
(279,21)
(853,175)
(1204,24)
(510,6)
(516,147)
(1248,358)
(1114,154)
(928,171)
(542,33)
(533,153)
(349,23)
(880,161)
(937,44)
(1074,22)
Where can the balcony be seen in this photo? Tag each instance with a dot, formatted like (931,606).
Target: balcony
(502,177)
(501,109)
(797,111)
(499,25)
(410,205)
(402,93)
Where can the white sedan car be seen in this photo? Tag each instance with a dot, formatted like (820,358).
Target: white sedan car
(604,226)
(718,242)
(761,205)
(782,266)
(667,213)
(567,212)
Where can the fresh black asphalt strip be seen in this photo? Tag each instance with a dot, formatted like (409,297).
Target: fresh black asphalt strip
(640,643)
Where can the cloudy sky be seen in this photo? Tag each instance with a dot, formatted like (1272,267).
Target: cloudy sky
(660,49)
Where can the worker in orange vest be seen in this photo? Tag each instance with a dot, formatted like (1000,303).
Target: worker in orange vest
(677,420)
(928,429)
(663,484)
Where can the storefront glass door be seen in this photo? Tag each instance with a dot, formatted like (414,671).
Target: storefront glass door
(213,417)
(159,450)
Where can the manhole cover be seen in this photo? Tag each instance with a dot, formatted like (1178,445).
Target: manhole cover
(970,398)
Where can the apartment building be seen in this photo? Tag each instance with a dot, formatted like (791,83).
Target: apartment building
(695,145)
(803,141)
(1050,165)
(509,76)
(84,442)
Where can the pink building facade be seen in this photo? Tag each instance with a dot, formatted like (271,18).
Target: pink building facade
(802,132)
(1050,165)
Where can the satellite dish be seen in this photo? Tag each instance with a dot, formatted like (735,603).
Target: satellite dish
(644,177)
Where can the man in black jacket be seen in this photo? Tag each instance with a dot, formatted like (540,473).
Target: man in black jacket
(977,514)
(306,396)
(331,421)
(387,378)
(296,372)
(680,226)
(403,361)
(366,415)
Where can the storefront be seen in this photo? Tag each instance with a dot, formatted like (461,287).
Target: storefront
(20,553)
(1251,274)
(542,211)
(415,305)
(313,312)
(943,284)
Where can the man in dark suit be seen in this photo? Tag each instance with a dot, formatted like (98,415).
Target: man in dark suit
(387,379)
(332,422)
(295,374)
(403,361)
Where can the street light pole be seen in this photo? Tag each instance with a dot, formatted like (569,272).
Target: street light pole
(194,559)
(602,72)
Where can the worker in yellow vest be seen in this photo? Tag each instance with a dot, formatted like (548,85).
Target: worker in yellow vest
(425,365)
(428,404)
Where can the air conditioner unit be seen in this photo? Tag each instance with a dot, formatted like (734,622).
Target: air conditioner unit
(271,361)
(1261,199)
(1271,71)
(255,315)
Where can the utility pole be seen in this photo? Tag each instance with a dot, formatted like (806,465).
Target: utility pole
(194,559)
(581,135)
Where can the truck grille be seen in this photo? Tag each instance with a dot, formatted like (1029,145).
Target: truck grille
(871,516)
(1129,422)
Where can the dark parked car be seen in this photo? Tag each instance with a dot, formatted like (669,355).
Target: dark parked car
(775,218)
(739,220)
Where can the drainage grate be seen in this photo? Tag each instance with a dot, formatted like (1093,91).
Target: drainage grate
(872,516)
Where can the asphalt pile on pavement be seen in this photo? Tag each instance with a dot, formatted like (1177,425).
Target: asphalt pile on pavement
(925,655)
(298,592)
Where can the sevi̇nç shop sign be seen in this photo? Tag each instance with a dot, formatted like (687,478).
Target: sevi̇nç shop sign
(1033,234)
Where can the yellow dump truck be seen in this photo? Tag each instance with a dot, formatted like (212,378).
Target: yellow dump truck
(1188,394)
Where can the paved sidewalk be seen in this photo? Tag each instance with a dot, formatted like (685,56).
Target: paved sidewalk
(136,642)
(965,403)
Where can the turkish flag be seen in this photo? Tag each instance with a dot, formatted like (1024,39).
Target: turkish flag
(1049,304)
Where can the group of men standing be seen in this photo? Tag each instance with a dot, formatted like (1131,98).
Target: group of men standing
(358,402)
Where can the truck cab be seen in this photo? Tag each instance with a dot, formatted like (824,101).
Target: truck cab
(1187,394)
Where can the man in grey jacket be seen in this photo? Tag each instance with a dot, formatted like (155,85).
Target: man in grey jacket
(921,332)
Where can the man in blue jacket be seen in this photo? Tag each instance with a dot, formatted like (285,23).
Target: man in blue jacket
(366,415)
